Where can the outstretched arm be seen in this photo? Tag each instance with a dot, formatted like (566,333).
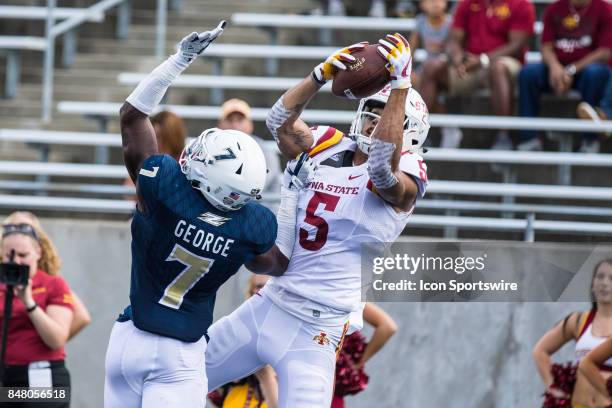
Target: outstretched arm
(290,132)
(384,328)
(137,134)
(553,340)
(393,185)
(297,175)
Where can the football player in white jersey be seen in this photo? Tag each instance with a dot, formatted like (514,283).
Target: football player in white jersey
(363,191)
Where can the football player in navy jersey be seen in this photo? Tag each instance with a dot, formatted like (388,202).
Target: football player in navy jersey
(195,224)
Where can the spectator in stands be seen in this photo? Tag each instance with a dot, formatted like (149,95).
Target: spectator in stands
(576,43)
(601,112)
(236,114)
(384,328)
(41,316)
(486,49)
(171,134)
(432,31)
(51,263)
(587,329)
(259,390)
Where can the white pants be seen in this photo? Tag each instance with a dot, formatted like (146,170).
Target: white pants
(259,333)
(147,370)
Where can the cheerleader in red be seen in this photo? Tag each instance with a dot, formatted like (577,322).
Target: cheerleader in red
(350,375)
(565,388)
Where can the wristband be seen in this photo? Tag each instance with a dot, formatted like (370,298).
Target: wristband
(33,308)
(485,61)
(570,70)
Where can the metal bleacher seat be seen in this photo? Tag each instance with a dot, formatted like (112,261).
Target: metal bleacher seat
(10,46)
(272,22)
(109,183)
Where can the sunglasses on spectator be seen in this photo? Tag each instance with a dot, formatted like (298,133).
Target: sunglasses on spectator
(26,229)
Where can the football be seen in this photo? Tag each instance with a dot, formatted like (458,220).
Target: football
(364,77)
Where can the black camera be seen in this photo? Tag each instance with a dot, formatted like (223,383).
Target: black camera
(13,274)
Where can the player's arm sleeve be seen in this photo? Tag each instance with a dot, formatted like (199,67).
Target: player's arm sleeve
(60,294)
(266,231)
(414,165)
(266,258)
(154,172)
(290,132)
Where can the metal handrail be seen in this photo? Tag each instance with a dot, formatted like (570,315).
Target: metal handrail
(53,31)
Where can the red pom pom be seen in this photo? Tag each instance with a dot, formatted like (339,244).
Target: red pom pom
(348,379)
(564,379)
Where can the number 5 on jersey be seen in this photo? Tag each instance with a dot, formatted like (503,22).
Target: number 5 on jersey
(330,202)
(195,269)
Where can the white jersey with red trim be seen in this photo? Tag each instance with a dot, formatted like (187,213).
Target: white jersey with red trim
(337,213)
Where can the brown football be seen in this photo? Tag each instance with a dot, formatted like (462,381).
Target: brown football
(364,77)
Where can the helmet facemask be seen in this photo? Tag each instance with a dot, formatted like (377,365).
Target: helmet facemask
(226,166)
(416,125)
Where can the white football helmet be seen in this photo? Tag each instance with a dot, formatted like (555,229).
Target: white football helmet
(416,123)
(227,166)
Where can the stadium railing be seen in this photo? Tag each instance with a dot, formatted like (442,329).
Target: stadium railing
(528,226)
(40,13)
(272,22)
(469,188)
(296,52)
(43,138)
(216,54)
(102,111)
(12,45)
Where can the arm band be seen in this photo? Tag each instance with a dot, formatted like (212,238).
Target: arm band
(379,164)
(286,218)
(150,91)
(277,117)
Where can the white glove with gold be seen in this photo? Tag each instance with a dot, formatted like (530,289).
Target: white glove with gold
(326,70)
(396,50)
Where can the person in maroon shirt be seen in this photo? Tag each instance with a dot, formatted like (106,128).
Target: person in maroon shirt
(40,321)
(487,47)
(576,44)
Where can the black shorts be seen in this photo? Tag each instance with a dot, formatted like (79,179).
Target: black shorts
(17,376)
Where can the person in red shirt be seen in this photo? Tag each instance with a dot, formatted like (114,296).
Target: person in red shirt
(576,44)
(51,263)
(40,321)
(486,49)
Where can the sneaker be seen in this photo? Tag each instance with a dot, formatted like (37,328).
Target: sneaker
(451,138)
(588,112)
(531,145)
(502,142)
(589,146)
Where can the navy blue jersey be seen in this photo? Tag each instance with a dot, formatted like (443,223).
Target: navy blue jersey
(183,249)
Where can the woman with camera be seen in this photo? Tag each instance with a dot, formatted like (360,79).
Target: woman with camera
(51,263)
(39,325)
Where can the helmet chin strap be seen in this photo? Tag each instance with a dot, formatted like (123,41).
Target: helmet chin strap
(363,143)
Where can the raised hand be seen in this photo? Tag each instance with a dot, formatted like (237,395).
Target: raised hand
(194,44)
(299,172)
(326,70)
(395,49)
